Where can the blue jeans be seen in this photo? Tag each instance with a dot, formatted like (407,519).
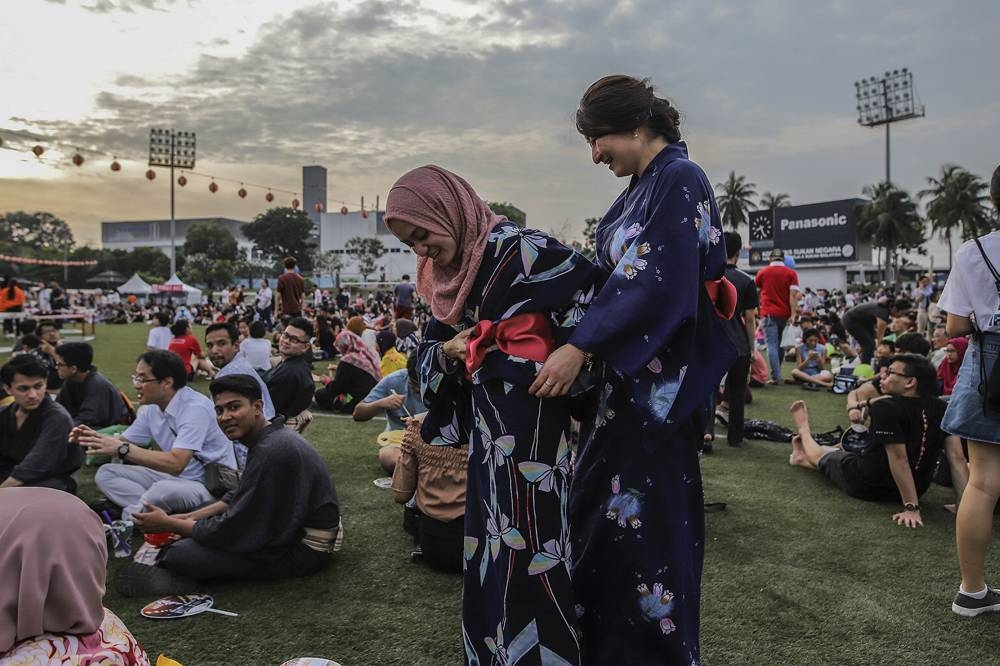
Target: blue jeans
(773,328)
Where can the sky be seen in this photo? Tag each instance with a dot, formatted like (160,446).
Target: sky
(372,88)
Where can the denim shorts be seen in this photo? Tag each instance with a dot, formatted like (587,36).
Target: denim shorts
(964,416)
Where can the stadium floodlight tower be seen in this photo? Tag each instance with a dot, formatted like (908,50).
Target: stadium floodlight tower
(170,148)
(885,100)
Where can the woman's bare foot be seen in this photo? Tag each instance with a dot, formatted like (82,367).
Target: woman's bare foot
(800,415)
(798,457)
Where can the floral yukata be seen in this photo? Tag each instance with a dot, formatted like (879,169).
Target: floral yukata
(517,604)
(111,645)
(636,507)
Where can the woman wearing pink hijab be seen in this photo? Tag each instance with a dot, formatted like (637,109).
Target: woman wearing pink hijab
(53,565)
(502,298)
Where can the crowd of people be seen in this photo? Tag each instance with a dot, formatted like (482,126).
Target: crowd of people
(541,408)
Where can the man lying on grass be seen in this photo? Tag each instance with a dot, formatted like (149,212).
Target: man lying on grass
(894,460)
(283,520)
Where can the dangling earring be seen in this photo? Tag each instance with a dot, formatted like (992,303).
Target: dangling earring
(636,135)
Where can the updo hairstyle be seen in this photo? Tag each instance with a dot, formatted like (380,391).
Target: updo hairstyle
(619,103)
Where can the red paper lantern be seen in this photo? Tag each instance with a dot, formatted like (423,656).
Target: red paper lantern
(212,187)
(182,181)
(343,210)
(38,150)
(78,159)
(364,214)
(269,197)
(115,166)
(295,203)
(243,193)
(319,208)
(150,175)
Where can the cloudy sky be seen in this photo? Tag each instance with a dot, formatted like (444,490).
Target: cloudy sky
(372,88)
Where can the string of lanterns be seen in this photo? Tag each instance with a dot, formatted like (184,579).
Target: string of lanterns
(115,166)
(47,262)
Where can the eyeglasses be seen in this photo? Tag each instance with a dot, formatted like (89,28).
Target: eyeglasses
(291,337)
(898,374)
(139,381)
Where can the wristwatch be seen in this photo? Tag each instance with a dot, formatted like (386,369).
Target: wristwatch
(909,506)
(123,450)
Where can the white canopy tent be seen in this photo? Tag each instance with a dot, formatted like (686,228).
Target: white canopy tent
(175,286)
(135,285)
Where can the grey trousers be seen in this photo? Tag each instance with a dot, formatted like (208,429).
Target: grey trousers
(129,486)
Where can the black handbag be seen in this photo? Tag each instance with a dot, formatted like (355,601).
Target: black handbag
(989,383)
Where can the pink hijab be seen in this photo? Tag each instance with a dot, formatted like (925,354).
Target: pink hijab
(354,351)
(52,565)
(437,200)
(948,371)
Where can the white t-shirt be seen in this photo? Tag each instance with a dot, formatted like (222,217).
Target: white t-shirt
(159,337)
(264,298)
(257,352)
(971,287)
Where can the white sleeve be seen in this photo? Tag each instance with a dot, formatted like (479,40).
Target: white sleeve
(955,299)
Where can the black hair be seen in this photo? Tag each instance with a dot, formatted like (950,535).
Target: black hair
(44,325)
(23,364)
(11,284)
(890,344)
(619,103)
(412,361)
(166,364)
(229,327)
(244,385)
(995,188)
(922,370)
(31,341)
(179,328)
(902,306)
(913,343)
(163,318)
(810,333)
(406,276)
(734,243)
(303,325)
(79,354)
(27,326)
(257,329)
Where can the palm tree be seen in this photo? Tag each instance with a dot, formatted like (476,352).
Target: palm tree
(770,201)
(890,221)
(957,200)
(736,199)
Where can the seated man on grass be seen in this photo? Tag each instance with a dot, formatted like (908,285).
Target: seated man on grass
(34,431)
(282,520)
(398,396)
(182,423)
(291,382)
(89,397)
(896,457)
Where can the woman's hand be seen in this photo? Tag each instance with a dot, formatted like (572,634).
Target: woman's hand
(558,373)
(455,348)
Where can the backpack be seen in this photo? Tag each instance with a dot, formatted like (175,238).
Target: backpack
(845,381)
(989,385)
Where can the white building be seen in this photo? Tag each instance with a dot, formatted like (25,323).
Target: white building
(130,234)
(335,229)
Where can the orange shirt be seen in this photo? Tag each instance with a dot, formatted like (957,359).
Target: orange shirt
(6,302)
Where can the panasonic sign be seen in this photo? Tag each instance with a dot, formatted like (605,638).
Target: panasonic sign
(814,222)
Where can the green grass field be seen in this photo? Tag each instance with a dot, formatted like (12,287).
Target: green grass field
(795,572)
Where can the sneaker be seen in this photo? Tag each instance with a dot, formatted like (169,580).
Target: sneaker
(142,580)
(970,606)
(722,416)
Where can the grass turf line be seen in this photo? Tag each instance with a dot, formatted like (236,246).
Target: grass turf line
(795,572)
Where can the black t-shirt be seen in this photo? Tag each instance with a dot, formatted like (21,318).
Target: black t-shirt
(866,316)
(746,299)
(915,422)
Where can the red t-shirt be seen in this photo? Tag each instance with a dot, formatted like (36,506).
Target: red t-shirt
(185,346)
(291,286)
(775,282)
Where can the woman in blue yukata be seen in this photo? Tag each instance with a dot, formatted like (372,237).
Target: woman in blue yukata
(636,505)
(502,299)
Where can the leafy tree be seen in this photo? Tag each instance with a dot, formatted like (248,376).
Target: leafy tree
(149,261)
(736,200)
(508,210)
(281,232)
(769,201)
(590,236)
(890,221)
(205,270)
(42,231)
(213,240)
(957,200)
(329,263)
(366,252)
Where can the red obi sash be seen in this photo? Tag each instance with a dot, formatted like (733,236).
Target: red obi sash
(722,293)
(526,335)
